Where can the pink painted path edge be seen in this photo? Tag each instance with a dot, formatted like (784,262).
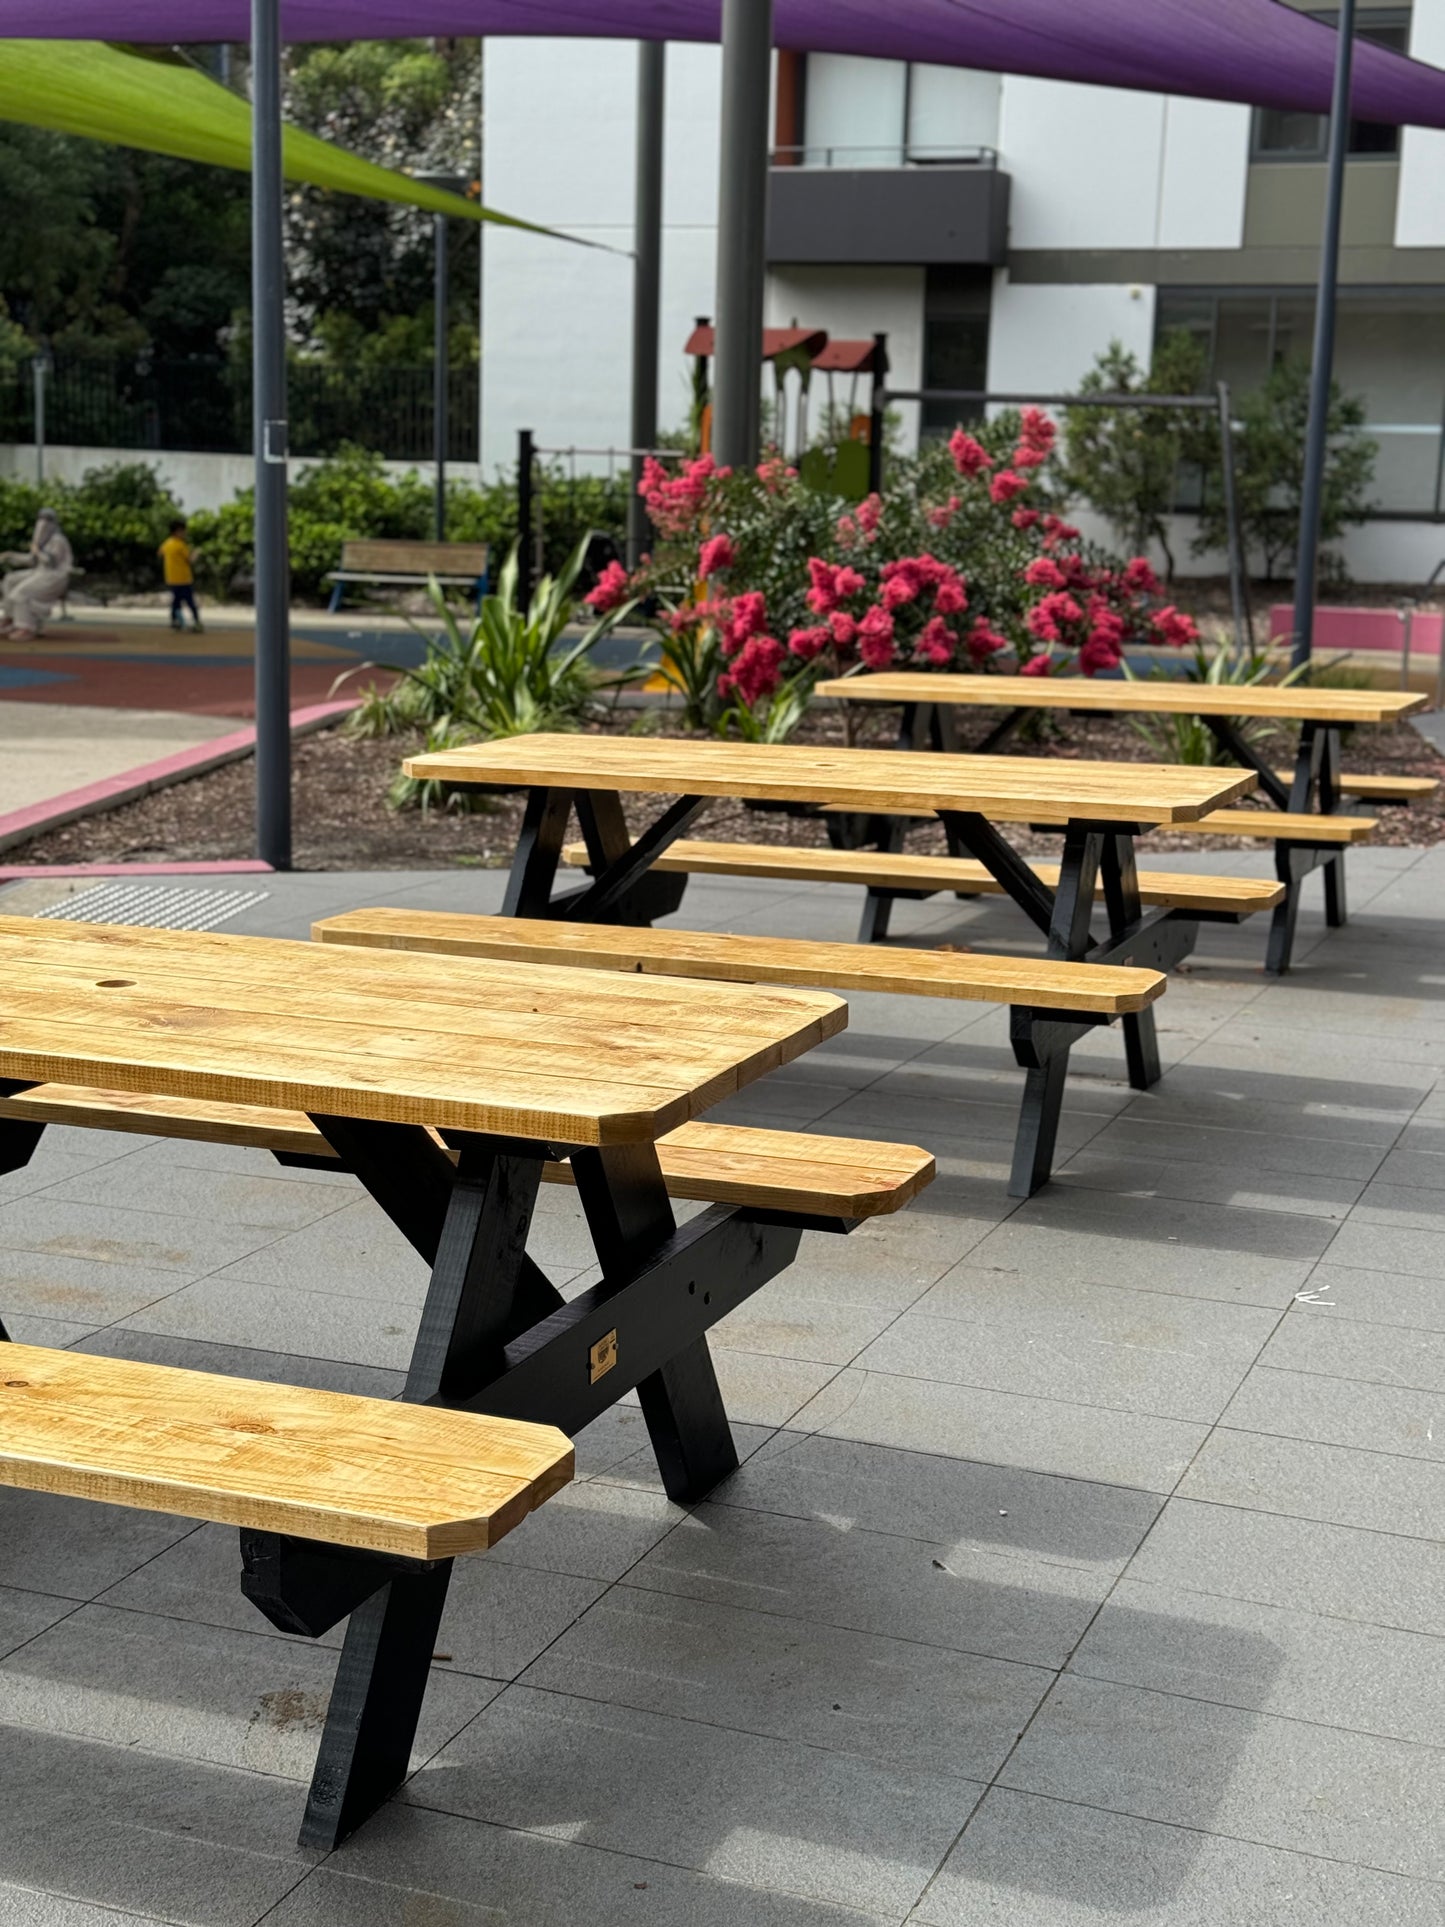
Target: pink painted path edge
(18,826)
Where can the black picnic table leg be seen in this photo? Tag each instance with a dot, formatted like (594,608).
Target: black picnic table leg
(471,1307)
(1314,788)
(629,1214)
(18,1140)
(1121,903)
(1069,940)
(538,852)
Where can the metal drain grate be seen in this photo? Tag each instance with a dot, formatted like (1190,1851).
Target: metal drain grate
(154,906)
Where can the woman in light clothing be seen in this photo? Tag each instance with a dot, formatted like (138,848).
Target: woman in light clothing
(32,590)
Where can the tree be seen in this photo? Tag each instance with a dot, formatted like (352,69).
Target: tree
(1124,462)
(357,267)
(1269,448)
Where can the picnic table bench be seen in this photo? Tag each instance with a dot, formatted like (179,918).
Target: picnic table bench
(1308,821)
(448,1086)
(1053,1001)
(409,565)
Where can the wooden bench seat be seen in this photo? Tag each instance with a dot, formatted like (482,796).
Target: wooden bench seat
(375,1475)
(1106,989)
(1380,789)
(408,564)
(885,870)
(799,1172)
(1279,826)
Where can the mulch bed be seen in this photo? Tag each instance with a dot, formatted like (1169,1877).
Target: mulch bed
(342,821)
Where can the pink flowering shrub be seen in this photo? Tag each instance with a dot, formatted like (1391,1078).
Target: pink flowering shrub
(963,563)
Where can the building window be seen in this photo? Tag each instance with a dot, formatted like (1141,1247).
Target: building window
(1280,134)
(955,343)
(1389,350)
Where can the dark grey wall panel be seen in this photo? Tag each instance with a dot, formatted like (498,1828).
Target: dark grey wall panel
(913,216)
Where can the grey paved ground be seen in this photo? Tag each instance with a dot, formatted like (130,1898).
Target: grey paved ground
(1084,1567)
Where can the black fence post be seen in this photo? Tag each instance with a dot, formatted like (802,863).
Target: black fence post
(526,464)
(876,412)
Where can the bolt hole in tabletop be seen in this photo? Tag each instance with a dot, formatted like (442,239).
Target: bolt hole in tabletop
(449,1086)
(1102,806)
(1316,786)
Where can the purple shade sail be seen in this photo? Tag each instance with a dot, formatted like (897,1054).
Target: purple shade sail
(1258,51)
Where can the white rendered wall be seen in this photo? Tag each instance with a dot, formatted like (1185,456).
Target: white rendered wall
(1044,339)
(1420,203)
(1204,173)
(556,320)
(950,107)
(854,111)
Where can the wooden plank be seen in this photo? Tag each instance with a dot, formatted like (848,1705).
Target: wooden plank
(1007,788)
(471,1044)
(413,1480)
(718,1163)
(416,558)
(1279,826)
(1177,890)
(967,975)
(1301,702)
(1381,789)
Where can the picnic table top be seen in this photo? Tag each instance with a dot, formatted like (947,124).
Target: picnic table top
(563,1055)
(1009,788)
(1299,703)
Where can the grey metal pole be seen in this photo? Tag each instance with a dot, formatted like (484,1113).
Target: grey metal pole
(1322,368)
(646,276)
(441,351)
(1238,573)
(39,368)
(268,335)
(747,52)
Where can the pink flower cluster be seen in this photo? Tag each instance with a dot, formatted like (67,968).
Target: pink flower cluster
(918,590)
(612,589)
(1095,611)
(674,501)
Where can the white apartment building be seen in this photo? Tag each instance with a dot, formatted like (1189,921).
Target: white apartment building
(1001,230)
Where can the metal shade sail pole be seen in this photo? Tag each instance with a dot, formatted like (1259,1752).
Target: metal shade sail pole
(268,338)
(747,55)
(1322,368)
(441,351)
(646,276)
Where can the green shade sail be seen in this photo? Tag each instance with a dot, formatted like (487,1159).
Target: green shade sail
(160,102)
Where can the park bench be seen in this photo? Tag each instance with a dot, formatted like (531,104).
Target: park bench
(410,565)
(447,1085)
(1299,798)
(1052,1004)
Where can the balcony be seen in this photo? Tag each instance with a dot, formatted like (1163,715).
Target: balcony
(887,206)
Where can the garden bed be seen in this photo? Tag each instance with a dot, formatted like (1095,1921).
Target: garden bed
(342,821)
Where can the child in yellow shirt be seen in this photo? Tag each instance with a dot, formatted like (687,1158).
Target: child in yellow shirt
(176,557)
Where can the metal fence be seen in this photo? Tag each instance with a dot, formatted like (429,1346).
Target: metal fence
(205,407)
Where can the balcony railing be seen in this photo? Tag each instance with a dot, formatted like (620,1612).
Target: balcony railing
(897,154)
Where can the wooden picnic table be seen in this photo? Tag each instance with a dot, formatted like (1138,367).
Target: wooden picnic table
(395,1056)
(1103,805)
(1316,786)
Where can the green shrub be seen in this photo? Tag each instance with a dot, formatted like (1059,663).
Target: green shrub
(116,519)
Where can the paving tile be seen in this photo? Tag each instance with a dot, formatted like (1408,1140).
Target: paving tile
(60,1332)
(1345,1572)
(1424,1170)
(411,1868)
(1268,1659)
(198,1692)
(271,1203)
(74,1548)
(894,1700)
(356,1251)
(988,1509)
(1343,1347)
(1380,1247)
(1340,1411)
(591,1529)
(1377,1491)
(1139,1351)
(1121,1250)
(1254,1151)
(1402,1207)
(1282,1783)
(1137,1176)
(967,1597)
(499,1616)
(24,1614)
(243,1361)
(763,1812)
(1195,1095)
(1003,1428)
(1373,1297)
(23,1907)
(227,1310)
(198,1580)
(1030,1862)
(81,1291)
(48,1168)
(780,1322)
(120,1827)
(133,1237)
(758,1390)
